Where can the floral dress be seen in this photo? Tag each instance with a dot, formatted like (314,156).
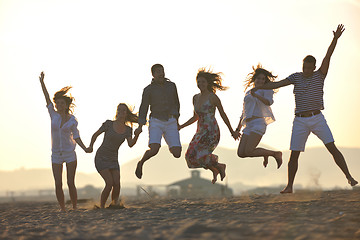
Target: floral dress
(207,136)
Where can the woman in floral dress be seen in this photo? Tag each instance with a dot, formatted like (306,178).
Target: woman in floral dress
(207,136)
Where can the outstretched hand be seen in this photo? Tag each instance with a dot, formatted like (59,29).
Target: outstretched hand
(41,77)
(340,29)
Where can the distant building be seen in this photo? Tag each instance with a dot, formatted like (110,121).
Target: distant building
(195,186)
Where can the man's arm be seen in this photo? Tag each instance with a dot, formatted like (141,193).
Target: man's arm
(177,102)
(145,101)
(274,85)
(326,61)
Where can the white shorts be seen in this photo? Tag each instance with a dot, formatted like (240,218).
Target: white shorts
(257,125)
(303,126)
(60,158)
(167,129)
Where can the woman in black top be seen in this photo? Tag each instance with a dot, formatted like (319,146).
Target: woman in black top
(106,158)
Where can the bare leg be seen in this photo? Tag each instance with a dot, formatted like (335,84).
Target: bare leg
(71,170)
(248,148)
(221,168)
(215,173)
(116,186)
(176,151)
(109,182)
(340,161)
(266,161)
(292,169)
(154,149)
(57,173)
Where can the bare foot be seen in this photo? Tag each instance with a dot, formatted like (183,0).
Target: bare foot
(138,171)
(215,173)
(221,167)
(287,189)
(352,182)
(278,158)
(265,162)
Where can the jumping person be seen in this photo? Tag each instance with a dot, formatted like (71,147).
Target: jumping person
(256,115)
(308,91)
(162,98)
(199,153)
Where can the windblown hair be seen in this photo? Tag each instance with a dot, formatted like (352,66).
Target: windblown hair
(62,94)
(310,59)
(130,116)
(214,80)
(249,81)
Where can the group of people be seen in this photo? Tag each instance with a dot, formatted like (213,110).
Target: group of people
(162,98)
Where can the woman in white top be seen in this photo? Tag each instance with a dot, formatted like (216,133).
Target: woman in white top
(64,136)
(256,115)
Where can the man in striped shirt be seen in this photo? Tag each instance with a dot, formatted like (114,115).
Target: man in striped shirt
(309,91)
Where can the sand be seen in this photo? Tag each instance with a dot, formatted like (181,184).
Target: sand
(302,215)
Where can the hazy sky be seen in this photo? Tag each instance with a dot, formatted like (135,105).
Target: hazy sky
(105,49)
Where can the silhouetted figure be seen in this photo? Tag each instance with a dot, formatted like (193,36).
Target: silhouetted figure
(308,91)
(255,117)
(199,153)
(162,98)
(106,158)
(64,136)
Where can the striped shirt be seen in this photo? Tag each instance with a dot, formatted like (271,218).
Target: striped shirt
(308,91)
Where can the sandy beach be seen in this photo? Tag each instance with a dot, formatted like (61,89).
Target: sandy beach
(302,215)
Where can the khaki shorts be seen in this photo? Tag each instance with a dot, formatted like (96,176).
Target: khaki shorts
(167,129)
(303,126)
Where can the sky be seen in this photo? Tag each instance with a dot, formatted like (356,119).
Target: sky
(105,49)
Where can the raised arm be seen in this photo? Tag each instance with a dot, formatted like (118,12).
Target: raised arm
(326,61)
(46,94)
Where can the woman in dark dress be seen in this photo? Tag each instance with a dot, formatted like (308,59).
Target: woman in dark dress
(106,158)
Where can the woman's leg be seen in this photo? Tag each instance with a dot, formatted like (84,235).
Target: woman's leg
(71,170)
(242,147)
(221,168)
(215,173)
(115,173)
(251,149)
(57,173)
(109,182)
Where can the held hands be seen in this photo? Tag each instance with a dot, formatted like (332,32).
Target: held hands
(137,131)
(340,29)
(236,135)
(89,149)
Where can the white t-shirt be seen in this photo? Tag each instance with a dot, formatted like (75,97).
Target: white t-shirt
(253,107)
(62,138)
